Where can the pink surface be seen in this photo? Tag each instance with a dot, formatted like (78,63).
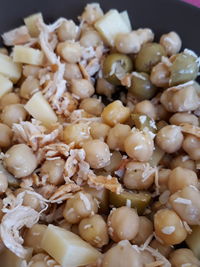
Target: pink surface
(193,2)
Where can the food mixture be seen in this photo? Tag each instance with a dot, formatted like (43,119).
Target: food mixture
(100,145)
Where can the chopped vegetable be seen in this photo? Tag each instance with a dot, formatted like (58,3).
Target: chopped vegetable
(9,68)
(193,241)
(5,85)
(31,24)
(28,55)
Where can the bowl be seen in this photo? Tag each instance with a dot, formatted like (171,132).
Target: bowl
(160,15)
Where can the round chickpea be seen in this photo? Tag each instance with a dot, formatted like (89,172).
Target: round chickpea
(135,177)
(160,75)
(94,231)
(171,42)
(123,224)
(169,227)
(93,106)
(82,88)
(139,145)
(147,229)
(104,87)
(97,153)
(117,135)
(184,117)
(67,31)
(115,113)
(72,71)
(90,38)
(183,161)
(29,86)
(180,178)
(3,183)
(183,257)
(5,135)
(191,145)
(53,169)
(70,51)
(8,99)
(20,160)
(99,130)
(13,113)
(80,206)
(122,255)
(163,177)
(92,13)
(147,108)
(170,138)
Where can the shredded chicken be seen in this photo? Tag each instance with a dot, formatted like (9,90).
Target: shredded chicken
(64,192)
(190,129)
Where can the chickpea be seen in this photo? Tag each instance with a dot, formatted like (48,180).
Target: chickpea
(147,258)
(93,106)
(20,160)
(117,135)
(65,225)
(145,107)
(104,87)
(67,31)
(13,113)
(170,138)
(184,117)
(171,42)
(160,75)
(76,133)
(82,88)
(72,71)
(135,177)
(162,113)
(33,237)
(90,38)
(54,171)
(94,231)
(97,153)
(162,248)
(80,206)
(31,70)
(3,183)
(146,227)
(183,100)
(191,145)
(115,113)
(139,145)
(29,86)
(169,227)
(183,161)
(30,200)
(70,51)
(92,13)
(180,178)
(163,177)
(128,43)
(8,99)
(99,130)
(5,135)
(123,224)
(122,255)
(183,257)
(186,204)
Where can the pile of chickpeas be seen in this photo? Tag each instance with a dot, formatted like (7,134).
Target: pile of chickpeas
(131,127)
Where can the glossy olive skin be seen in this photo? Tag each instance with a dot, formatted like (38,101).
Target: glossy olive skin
(150,54)
(146,122)
(141,86)
(122,62)
(184,68)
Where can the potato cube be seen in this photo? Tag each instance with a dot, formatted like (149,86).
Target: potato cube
(40,109)
(9,68)
(28,55)
(5,85)
(125,17)
(31,24)
(67,248)
(110,25)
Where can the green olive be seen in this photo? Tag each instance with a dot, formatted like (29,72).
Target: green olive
(138,200)
(115,66)
(142,121)
(149,55)
(141,86)
(184,68)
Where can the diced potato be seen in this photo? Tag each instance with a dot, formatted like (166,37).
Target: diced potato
(28,55)
(158,154)
(5,85)
(40,109)
(137,200)
(125,17)
(110,25)
(31,24)
(9,259)
(67,248)
(193,241)
(9,68)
